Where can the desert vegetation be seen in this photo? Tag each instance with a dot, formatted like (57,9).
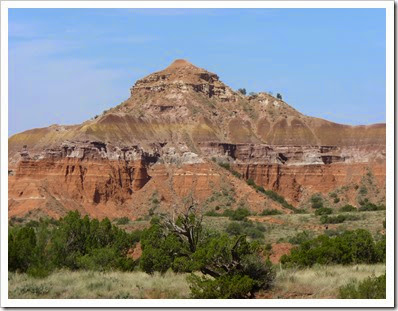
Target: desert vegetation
(200,261)
(73,242)
(350,247)
(229,266)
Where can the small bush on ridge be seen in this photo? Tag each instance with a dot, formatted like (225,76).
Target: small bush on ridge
(316,201)
(269,212)
(323,211)
(238,214)
(348,208)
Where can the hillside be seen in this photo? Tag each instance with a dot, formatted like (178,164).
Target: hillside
(164,142)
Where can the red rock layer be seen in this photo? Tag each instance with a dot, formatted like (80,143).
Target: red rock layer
(298,181)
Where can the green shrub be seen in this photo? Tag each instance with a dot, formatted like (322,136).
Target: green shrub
(316,201)
(239,214)
(337,219)
(230,266)
(323,211)
(332,219)
(336,200)
(72,242)
(268,212)
(381,249)
(250,182)
(242,91)
(122,221)
(22,249)
(255,231)
(105,259)
(280,199)
(32,224)
(300,211)
(212,213)
(370,288)
(234,228)
(350,247)
(254,275)
(348,208)
(159,250)
(333,195)
(236,174)
(39,272)
(352,217)
(367,206)
(301,237)
(227,166)
(101,259)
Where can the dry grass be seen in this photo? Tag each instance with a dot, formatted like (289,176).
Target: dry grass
(88,284)
(320,281)
(315,282)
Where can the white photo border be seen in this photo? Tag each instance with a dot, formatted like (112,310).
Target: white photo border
(390,216)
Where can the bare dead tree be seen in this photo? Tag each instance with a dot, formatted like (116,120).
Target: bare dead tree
(188,225)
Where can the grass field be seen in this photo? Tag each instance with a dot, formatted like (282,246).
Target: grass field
(320,281)
(92,284)
(316,282)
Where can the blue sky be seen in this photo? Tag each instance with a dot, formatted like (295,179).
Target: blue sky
(67,65)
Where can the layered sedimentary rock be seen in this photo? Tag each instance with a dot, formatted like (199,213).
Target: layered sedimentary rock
(166,139)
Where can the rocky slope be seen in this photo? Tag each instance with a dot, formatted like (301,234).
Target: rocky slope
(161,145)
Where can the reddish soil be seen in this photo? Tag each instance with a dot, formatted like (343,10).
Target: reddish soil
(278,250)
(136,252)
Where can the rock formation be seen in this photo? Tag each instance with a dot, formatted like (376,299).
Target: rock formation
(166,139)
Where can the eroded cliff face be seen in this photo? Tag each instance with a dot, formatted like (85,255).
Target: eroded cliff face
(166,140)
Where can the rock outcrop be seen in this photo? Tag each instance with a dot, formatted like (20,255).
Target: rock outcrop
(166,139)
